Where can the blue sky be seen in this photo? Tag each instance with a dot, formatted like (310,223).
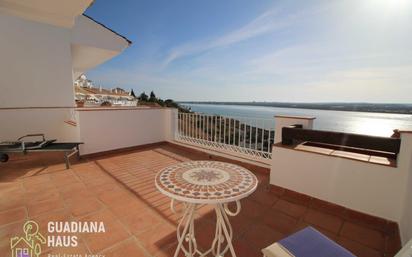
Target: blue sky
(238,50)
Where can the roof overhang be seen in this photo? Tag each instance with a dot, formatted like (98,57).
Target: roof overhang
(57,13)
(93,44)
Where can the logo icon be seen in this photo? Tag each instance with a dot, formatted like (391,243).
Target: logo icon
(30,244)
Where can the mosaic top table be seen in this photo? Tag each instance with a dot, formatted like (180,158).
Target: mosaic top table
(205,182)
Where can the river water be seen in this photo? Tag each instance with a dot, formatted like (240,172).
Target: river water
(378,124)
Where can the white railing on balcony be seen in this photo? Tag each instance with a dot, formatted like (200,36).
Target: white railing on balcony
(251,137)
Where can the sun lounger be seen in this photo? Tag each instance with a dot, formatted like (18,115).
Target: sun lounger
(43,145)
(307,242)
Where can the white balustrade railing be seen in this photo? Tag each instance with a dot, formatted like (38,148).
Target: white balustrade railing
(252,137)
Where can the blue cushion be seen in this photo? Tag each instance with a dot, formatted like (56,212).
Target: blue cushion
(309,242)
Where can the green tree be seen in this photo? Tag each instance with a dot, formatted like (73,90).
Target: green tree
(152,97)
(132,93)
(143,97)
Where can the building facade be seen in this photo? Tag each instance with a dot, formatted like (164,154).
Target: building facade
(91,95)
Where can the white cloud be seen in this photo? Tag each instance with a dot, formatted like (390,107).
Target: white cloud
(265,23)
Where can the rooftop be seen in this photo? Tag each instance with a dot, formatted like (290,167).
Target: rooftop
(119,190)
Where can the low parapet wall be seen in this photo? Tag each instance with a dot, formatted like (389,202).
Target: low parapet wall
(115,128)
(348,179)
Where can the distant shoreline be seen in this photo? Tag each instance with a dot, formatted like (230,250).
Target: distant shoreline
(350,107)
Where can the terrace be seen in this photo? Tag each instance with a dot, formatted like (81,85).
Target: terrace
(118,189)
(354,188)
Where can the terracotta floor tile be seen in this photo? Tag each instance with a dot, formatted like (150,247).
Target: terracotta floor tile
(292,209)
(326,221)
(80,206)
(244,249)
(264,197)
(13,215)
(101,188)
(277,190)
(39,188)
(139,222)
(119,188)
(7,232)
(158,238)
(240,223)
(37,208)
(166,214)
(52,216)
(126,248)
(296,197)
(13,201)
(124,208)
(169,252)
(367,220)
(63,178)
(327,207)
(251,209)
(74,190)
(279,221)
(114,197)
(261,236)
(206,211)
(35,181)
(366,236)
(359,249)
(205,234)
(115,232)
(39,196)
(67,251)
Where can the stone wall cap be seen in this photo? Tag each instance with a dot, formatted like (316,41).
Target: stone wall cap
(400,131)
(296,117)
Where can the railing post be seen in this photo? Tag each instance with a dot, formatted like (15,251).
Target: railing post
(285,121)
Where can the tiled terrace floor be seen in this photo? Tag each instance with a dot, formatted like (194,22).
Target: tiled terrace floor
(119,190)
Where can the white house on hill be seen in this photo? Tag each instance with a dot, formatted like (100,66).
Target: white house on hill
(91,95)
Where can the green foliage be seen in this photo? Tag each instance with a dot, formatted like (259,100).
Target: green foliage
(132,93)
(153,98)
(155,101)
(143,97)
(106,104)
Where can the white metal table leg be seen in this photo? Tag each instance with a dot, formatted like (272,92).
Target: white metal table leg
(227,229)
(223,232)
(188,216)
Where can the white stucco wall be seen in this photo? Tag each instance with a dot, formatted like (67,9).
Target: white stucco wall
(15,123)
(365,187)
(374,189)
(285,121)
(36,73)
(406,218)
(104,130)
(35,64)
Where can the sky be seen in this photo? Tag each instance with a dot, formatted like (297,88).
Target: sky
(260,50)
